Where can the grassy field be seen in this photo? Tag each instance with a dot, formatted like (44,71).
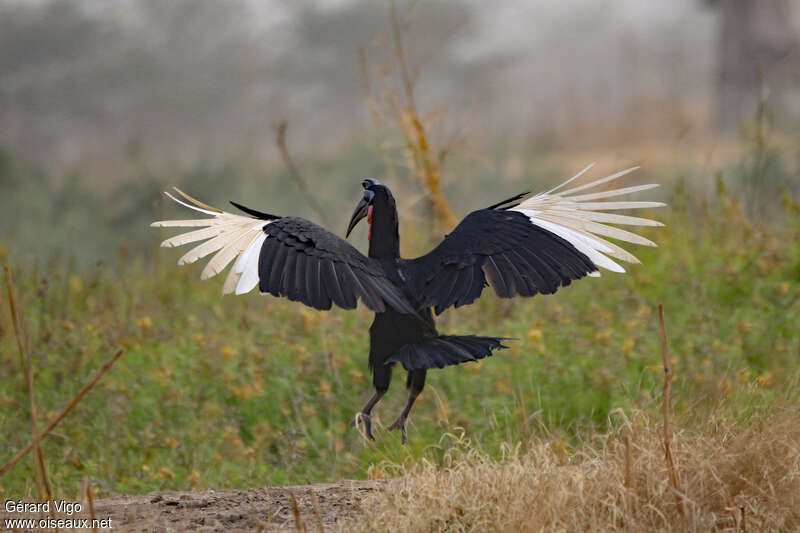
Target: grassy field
(732,473)
(253,391)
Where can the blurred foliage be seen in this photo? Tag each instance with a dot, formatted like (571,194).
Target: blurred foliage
(252,391)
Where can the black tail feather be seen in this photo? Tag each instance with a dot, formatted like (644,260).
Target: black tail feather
(446,350)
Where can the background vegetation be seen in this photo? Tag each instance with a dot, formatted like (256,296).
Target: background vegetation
(248,391)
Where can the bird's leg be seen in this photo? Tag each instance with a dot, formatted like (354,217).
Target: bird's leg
(402,420)
(416,382)
(364,414)
(381,377)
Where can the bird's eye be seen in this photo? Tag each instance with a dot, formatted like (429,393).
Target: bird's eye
(369,182)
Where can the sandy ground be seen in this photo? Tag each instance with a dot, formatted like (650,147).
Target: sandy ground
(267,509)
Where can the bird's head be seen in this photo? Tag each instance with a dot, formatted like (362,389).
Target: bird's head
(375,194)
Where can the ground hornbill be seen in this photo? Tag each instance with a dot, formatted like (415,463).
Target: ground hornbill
(524,245)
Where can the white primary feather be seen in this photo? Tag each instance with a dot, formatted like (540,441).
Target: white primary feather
(595,183)
(615,192)
(609,218)
(231,280)
(615,251)
(221,240)
(573,178)
(230,237)
(183,223)
(227,254)
(196,208)
(613,206)
(585,244)
(253,248)
(581,220)
(193,236)
(248,266)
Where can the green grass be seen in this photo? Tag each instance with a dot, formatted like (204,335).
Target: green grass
(253,391)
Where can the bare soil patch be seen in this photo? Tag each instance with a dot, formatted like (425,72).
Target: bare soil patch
(263,509)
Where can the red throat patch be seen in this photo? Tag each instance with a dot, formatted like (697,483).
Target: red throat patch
(369,221)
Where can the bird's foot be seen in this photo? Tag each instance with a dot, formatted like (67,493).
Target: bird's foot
(400,424)
(363,417)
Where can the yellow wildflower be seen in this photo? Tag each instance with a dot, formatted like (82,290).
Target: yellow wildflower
(144,323)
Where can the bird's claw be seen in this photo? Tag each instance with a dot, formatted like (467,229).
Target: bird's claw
(363,417)
(400,424)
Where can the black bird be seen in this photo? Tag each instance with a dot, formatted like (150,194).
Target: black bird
(524,245)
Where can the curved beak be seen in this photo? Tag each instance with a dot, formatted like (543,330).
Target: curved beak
(361,212)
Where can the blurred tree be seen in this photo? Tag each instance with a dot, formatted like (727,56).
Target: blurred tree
(187,78)
(78,78)
(758,49)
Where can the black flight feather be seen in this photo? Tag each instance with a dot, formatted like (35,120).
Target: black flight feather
(252,212)
(287,278)
(298,288)
(514,198)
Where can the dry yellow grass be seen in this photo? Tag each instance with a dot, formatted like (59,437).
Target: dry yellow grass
(732,476)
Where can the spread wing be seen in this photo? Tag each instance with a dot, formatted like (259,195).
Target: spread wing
(529,244)
(283,256)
